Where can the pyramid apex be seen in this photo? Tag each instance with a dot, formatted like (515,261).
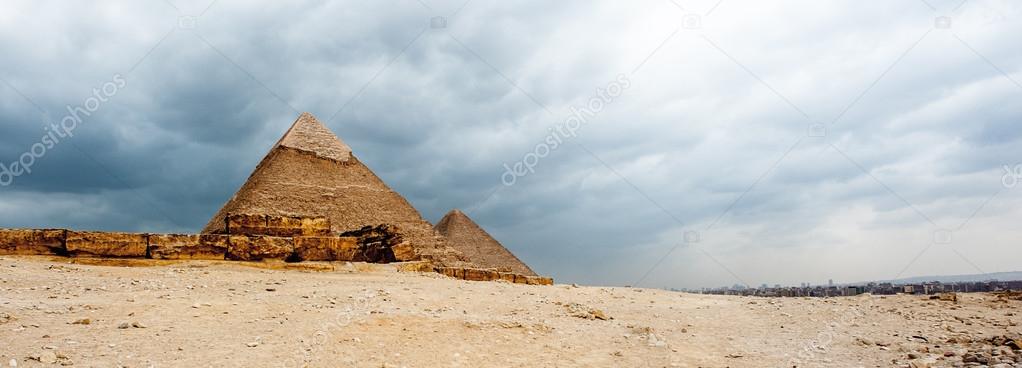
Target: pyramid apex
(310,135)
(455,215)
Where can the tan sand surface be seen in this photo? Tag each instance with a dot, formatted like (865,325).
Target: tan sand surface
(215,314)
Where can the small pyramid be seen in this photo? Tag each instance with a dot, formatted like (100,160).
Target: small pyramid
(311,172)
(480,249)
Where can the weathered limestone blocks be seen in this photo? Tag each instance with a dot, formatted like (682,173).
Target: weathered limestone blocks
(279,226)
(476,274)
(380,244)
(371,244)
(103,244)
(257,248)
(32,242)
(506,276)
(297,226)
(535,280)
(324,249)
(240,224)
(175,246)
(404,252)
(458,273)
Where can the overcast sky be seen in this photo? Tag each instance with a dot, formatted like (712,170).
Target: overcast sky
(744,143)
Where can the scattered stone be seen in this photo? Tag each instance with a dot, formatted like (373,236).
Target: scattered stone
(124,325)
(252,344)
(864,341)
(46,357)
(582,311)
(83,321)
(947,297)
(64,360)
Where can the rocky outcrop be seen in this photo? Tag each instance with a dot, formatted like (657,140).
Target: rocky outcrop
(376,243)
(32,242)
(257,248)
(244,224)
(370,244)
(176,246)
(476,274)
(297,226)
(103,244)
(324,249)
(282,226)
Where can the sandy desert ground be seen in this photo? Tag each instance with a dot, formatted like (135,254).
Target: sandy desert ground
(215,314)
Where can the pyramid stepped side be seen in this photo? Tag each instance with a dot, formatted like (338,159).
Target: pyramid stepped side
(301,181)
(480,249)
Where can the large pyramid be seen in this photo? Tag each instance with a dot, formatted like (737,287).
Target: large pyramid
(311,172)
(477,245)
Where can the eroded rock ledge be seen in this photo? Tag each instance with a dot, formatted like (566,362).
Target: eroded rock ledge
(247,237)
